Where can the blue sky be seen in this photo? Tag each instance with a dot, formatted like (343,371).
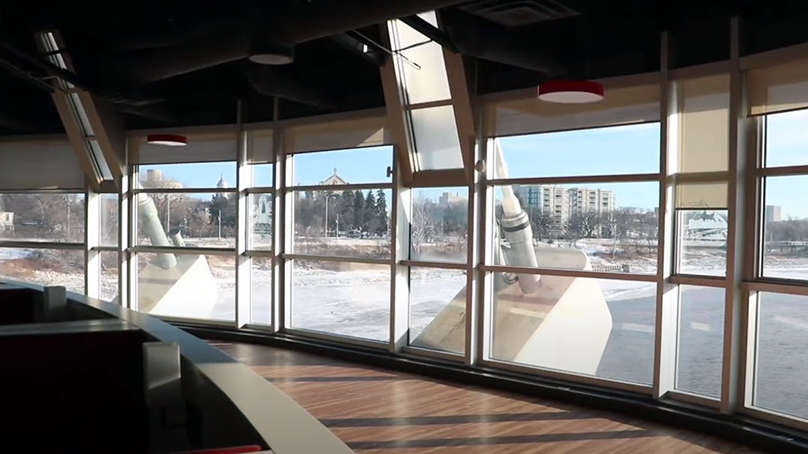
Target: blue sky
(605,151)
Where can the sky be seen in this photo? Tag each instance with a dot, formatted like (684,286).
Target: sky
(629,149)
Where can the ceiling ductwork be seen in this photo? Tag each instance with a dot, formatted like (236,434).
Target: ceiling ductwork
(297,24)
(479,38)
(270,81)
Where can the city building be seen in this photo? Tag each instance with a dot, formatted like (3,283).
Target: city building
(773,213)
(561,203)
(448,198)
(333,180)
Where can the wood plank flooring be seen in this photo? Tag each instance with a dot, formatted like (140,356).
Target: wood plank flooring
(384,412)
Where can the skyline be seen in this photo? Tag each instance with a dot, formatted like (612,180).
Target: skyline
(628,149)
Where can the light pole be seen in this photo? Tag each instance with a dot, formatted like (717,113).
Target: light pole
(325,230)
(220,224)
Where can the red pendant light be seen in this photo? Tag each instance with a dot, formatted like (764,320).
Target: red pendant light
(170,140)
(571,91)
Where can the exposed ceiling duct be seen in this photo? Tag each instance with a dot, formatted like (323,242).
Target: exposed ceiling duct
(271,81)
(483,39)
(306,21)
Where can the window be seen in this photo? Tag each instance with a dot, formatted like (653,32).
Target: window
(201,219)
(702,242)
(617,236)
(261,221)
(622,150)
(54,217)
(109,270)
(781,354)
(597,327)
(187,285)
(342,298)
(701,340)
(190,175)
(341,252)
(44,267)
(437,309)
(261,291)
(439,225)
(344,223)
(342,167)
(108,220)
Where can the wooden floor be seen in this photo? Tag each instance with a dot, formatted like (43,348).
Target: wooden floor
(379,411)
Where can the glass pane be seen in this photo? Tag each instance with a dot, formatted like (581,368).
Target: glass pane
(357,166)
(44,267)
(108,220)
(702,237)
(221,175)
(785,227)
(427,81)
(343,223)
(597,327)
(187,286)
(261,222)
(701,340)
(261,291)
(347,299)
(439,225)
(437,309)
(202,220)
(785,140)
(99,160)
(436,142)
(263,175)
(609,227)
(42,217)
(603,151)
(84,121)
(782,358)
(108,275)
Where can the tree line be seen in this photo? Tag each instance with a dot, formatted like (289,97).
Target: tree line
(353,213)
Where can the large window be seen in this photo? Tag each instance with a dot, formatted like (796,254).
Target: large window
(572,323)
(341,248)
(180,208)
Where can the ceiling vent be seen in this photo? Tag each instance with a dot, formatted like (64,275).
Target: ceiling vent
(517,13)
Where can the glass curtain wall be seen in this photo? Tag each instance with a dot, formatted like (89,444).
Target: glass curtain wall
(572,276)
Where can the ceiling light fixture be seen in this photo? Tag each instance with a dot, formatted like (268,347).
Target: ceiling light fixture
(571,91)
(266,52)
(170,140)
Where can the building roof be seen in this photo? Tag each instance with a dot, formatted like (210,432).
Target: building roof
(333,180)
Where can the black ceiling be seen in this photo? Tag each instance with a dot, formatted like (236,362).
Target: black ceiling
(168,63)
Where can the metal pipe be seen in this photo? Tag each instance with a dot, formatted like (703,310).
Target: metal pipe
(515,227)
(147,213)
(176,237)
